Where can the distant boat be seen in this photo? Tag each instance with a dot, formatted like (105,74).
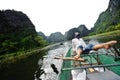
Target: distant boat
(98,66)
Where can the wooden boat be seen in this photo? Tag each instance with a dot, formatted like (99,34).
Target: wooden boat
(109,63)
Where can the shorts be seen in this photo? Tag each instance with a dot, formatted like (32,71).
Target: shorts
(88,48)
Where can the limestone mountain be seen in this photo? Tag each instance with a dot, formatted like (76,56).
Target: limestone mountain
(70,34)
(56,37)
(16,32)
(42,35)
(81,29)
(108,20)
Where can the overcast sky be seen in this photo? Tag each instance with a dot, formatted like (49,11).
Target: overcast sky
(51,16)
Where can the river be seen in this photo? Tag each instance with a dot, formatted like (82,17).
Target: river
(45,70)
(50,67)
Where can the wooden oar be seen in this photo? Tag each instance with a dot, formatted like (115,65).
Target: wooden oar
(85,64)
(70,58)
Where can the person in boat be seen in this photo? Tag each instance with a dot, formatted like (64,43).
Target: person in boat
(79,46)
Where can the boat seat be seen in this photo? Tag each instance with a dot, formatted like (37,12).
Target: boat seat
(107,75)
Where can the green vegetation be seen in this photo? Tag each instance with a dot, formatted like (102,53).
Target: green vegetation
(26,43)
(17,34)
(105,30)
(13,57)
(103,37)
(108,20)
(20,46)
(116,32)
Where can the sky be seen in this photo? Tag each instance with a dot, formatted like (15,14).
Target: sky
(51,16)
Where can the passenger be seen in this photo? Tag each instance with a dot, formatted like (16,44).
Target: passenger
(79,45)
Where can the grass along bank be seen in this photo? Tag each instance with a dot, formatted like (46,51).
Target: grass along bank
(104,37)
(13,57)
(20,65)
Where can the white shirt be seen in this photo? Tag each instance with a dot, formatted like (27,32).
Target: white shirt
(77,42)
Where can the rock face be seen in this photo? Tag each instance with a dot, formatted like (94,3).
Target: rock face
(42,35)
(53,38)
(70,34)
(56,37)
(16,31)
(15,22)
(108,20)
(81,29)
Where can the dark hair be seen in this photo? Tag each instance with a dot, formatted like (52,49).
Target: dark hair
(77,36)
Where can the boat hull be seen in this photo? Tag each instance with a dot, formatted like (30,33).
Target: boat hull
(108,59)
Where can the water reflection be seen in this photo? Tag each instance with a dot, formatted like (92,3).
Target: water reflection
(21,69)
(50,66)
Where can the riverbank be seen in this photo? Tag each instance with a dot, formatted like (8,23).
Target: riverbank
(104,37)
(21,65)
(13,57)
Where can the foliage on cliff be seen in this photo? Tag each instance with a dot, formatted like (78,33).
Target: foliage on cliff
(17,32)
(108,20)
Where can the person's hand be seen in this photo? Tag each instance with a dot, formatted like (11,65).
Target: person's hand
(76,57)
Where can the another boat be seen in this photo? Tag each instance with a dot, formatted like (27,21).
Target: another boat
(99,66)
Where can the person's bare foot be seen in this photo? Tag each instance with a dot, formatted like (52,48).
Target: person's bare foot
(112,42)
(109,44)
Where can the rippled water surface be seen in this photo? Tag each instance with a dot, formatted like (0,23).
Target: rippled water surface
(48,72)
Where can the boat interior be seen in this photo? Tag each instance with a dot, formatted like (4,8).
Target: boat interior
(95,69)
